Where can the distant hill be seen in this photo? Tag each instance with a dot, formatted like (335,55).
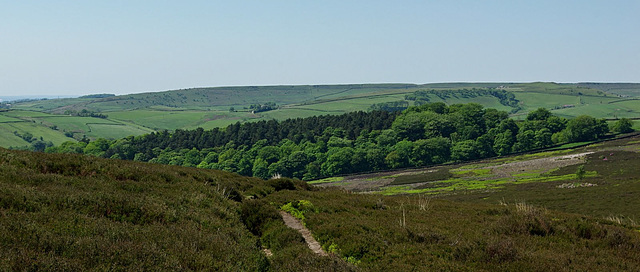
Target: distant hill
(137,114)
(625,89)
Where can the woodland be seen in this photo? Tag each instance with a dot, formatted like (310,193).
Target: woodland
(324,146)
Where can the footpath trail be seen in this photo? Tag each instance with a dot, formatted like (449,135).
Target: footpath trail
(295,224)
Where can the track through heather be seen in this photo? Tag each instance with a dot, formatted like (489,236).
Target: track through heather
(295,224)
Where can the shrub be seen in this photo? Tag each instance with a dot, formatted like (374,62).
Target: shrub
(281,184)
(501,250)
(257,213)
(526,220)
(276,236)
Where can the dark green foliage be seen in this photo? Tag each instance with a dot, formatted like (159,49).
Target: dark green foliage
(97,96)
(506,98)
(580,172)
(257,213)
(464,150)
(586,128)
(623,125)
(85,113)
(540,114)
(390,106)
(273,132)
(263,107)
(281,184)
(324,146)
(276,236)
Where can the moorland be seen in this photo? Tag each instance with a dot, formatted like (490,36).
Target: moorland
(399,177)
(69,212)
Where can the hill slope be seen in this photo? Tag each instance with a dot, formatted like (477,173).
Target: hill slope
(68,212)
(208,108)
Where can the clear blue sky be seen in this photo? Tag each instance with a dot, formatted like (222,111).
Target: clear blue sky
(83,47)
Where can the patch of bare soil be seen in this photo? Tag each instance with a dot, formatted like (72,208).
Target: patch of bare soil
(373,182)
(295,224)
(267,252)
(543,164)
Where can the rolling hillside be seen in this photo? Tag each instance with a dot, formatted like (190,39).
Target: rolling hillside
(208,108)
(68,212)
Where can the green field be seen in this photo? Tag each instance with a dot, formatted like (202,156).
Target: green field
(10,139)
(24,114)
(37,130)
(171,120)
(626,89)
(114,131)
(52,127)
(209,107)
(7,119)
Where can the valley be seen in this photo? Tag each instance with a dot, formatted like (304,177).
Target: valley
(209,108)
(512,181)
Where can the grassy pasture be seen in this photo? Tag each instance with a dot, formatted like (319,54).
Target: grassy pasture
(294,112)
(209,107)
(531,101)
(52,127)
(631,105)
(8,119)
(9,139)
(172,120)
(73,123)
(351,104)
(225,97)
(55,136)
(24,114)
(557,88)
(627,89)
(114,131)
(50,104)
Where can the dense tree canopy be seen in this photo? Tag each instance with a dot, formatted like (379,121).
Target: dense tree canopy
(322,146)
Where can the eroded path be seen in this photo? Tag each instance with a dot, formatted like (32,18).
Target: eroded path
(295,224)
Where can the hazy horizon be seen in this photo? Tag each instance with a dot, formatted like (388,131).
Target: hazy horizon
(7,98)
(122,47)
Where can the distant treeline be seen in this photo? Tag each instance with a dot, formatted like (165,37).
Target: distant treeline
(322,146)
(506,98)
(85,113)
(97,95)
(263,107)
(390,106)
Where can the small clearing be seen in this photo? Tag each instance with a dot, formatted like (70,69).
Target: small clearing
(295,224)
(508,169)
(378,181)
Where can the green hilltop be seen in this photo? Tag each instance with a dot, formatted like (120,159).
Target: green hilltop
(58,120)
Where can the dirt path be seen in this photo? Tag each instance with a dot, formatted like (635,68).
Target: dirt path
(295,224)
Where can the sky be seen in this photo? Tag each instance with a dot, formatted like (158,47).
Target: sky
(86,47)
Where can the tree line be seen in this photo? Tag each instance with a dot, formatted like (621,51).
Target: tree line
(323,146)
